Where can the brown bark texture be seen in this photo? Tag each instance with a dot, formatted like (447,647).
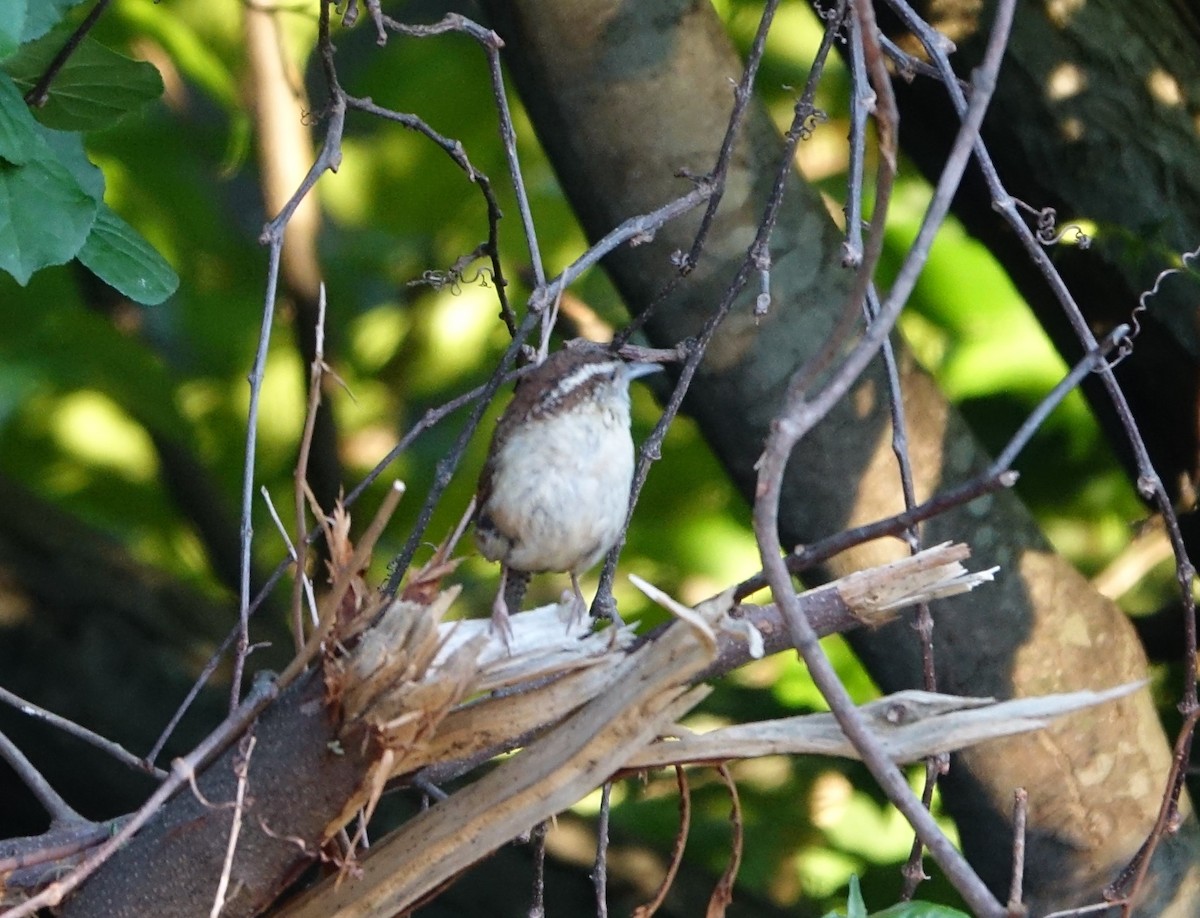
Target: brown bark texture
(623,97)
(1096,116)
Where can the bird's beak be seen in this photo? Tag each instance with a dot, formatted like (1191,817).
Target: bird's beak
(636,370)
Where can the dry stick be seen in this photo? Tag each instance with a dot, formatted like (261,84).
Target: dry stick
(864,99)
(58,809)
(329,157)
(600,868)
(242,769)
(802,412)
(722,895)
(261,694)
(539,300)
(698,346)
(242,647)
(491,44)
(1149,485)
(537,837)
(743,93)
(1016,887)
(117,751)
(676,856)
(300,476)
(996,476)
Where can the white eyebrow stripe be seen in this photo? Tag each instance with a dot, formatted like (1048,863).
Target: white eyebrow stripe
(576,378)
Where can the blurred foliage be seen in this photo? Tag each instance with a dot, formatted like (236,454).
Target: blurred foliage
(80,394)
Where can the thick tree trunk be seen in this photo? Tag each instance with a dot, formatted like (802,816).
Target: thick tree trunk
(623,96)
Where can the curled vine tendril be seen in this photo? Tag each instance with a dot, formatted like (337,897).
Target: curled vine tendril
(454,279)
(1047,229)
(1186,266)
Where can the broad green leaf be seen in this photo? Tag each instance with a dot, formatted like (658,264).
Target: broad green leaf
(67,147)
(13,14)
(45,216)
(19,140)
(918,909)
(117,254)
(43,16)
(95,88)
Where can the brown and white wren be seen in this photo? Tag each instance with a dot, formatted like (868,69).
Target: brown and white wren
(554,491)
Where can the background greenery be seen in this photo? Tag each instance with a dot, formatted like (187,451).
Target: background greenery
(82,395)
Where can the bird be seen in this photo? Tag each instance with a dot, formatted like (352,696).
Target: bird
(553,493)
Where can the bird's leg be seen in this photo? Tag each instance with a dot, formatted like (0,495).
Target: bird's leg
(579,608)
(509,596)
(500,622)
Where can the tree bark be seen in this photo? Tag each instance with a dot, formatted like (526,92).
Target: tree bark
(623,96)
(1096,117)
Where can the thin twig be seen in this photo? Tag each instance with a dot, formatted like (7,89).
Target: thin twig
(242,770)
(117,751)
(59,810)
(600,867)
(675,858)
(801,412)
(262,692)
(603,605)
(537,838)
(40,93)
(315,378)
(1016,889)
(1148,483)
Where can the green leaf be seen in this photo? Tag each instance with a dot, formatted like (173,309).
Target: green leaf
(918,909)
(67,147)
(13,14)
(96,87)
(43,16)
(19,140)
(45,216)
(117,254)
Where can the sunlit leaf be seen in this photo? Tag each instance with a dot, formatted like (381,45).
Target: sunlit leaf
(117,254)
(95,88)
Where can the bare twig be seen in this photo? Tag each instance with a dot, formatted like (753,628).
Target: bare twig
(801,412)
(675,859)
(695,349)
(1017,886)
(60,811)
(243,773)
(262,693)
(40,93)
(1149,485)
(117,751)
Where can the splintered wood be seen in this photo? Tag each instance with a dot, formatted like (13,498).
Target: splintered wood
(437,697)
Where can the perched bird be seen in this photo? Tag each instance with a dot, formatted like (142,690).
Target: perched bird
(554,491)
